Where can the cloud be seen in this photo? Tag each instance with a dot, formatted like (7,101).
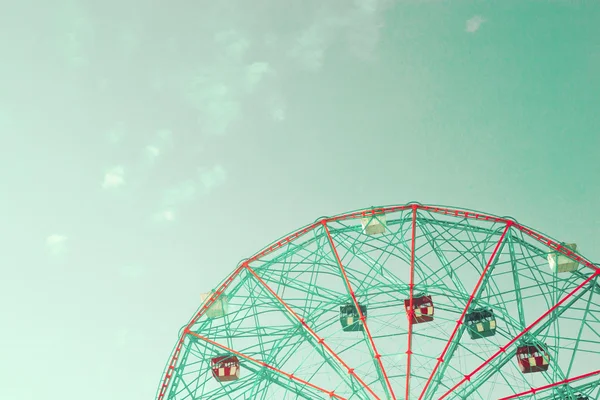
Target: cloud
(217,104)
(474,24)
(164,136)
(238,62)
(77,34)
(163,140)
(165,216)
(221,111)
(56,244)
(114,178)
(213,177)
(188,191)
(369,6)
(278,113)
(275,107)
(309,47)
(234,44)
(182,193)
(216,90)
(255,72)
(153,152)
(168,215)
(357,27)
(114,137)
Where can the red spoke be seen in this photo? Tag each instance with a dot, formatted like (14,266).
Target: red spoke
(563,382)
(464,312)
(209,302)
(411,287)
(503,349)
(265,365)
(376,355)
(320,340)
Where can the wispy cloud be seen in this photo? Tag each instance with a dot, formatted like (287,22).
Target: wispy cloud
(181,193)
(357,28)
(56,244)
(216,90)
(152,152)
(277,109)
(278,113)
(167,215)
(77,35)
(189,190)
(162,141)
(212,177)
(246,65)
(114,178)
(234,43)
(218,104)
(309,47)
(186,192)
(255,73)
(473,24)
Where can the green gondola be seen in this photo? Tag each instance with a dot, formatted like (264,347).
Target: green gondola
(350,318)
(481,323)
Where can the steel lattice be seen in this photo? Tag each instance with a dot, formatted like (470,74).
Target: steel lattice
(281,314)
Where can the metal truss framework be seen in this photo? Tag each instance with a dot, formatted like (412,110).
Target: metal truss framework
(283,323)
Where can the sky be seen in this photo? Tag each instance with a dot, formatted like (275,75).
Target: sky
(147,147)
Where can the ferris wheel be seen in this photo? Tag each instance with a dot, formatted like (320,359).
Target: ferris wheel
(400,302)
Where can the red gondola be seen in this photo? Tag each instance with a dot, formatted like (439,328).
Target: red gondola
(225,368)
(532,358)
(422,309)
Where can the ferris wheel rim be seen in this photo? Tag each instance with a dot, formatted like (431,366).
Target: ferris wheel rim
(451,211)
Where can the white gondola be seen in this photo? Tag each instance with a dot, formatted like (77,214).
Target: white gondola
(561,263)
(219,308)
(374,224)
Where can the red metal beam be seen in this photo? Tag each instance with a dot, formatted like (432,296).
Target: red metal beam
(440,359)
(377,356)
(411,289)
(369,212)
(319,339)
(551,385)
(454,212)
(265,365)
(527,329)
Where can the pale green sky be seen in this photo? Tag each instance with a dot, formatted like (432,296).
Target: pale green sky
(146,149)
